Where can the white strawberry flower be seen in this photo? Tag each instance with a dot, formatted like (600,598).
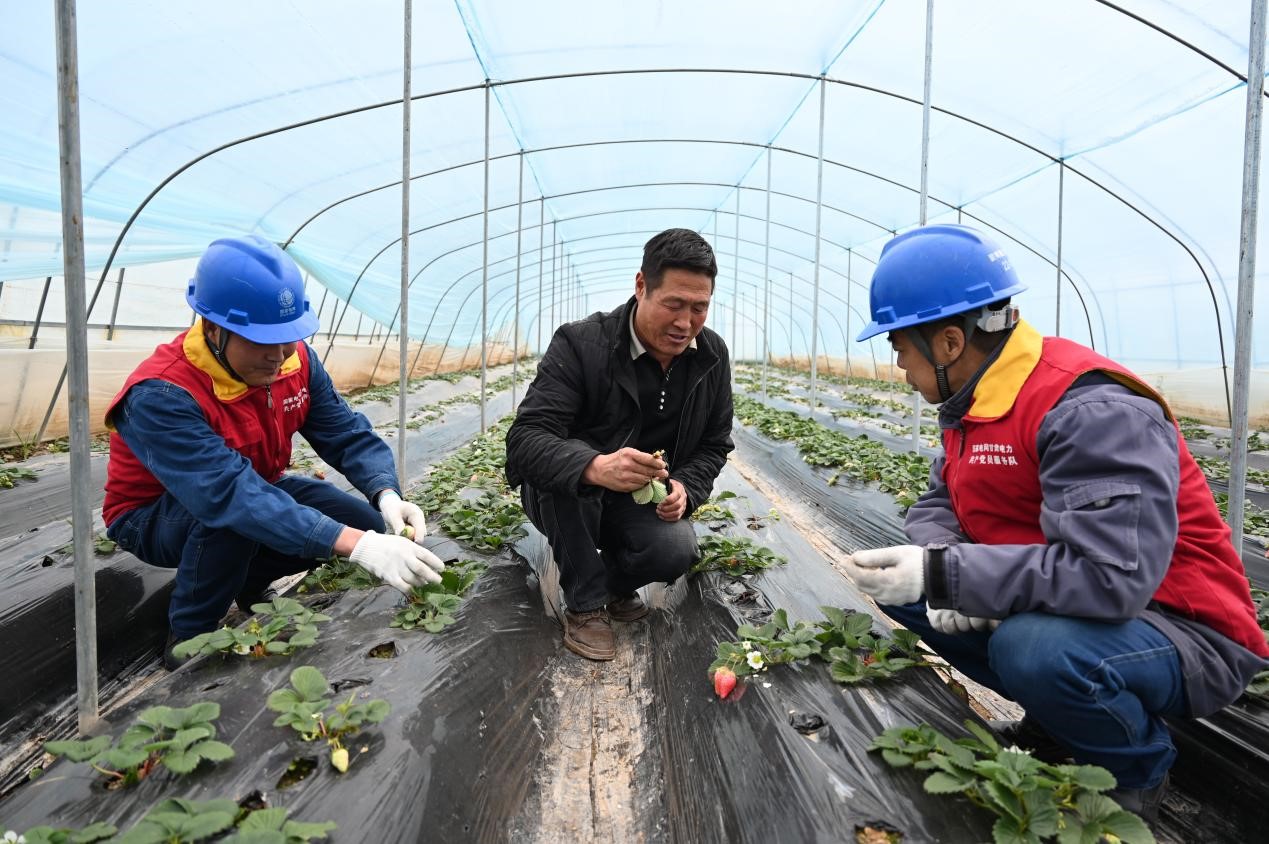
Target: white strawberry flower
(11,837)
(754,658)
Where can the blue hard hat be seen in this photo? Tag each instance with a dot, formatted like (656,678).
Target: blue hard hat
(251,287)
(933,272)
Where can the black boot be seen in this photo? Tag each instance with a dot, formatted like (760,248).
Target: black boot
(255,594)
(1144,802)
(170,661)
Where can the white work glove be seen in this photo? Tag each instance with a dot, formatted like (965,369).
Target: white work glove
(398,513)
(396,560)
(892,576)
(953,622)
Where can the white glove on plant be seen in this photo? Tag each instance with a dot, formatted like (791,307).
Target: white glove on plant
(951,621)
(396,560)
(892,576)
(401,514)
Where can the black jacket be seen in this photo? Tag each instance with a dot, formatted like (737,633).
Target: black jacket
(584,402)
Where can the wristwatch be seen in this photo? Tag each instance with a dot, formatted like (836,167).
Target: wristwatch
(936,574)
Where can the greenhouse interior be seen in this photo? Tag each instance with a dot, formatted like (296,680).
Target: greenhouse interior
(457,196)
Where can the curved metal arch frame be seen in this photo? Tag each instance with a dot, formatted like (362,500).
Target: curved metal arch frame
(473,244)
(507,207)
(842,211)
(753,286)
(512,257)
(845,341)
(826,266)
(592,74)
(1036,150)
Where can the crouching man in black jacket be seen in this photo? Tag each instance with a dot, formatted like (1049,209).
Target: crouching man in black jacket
(612,392)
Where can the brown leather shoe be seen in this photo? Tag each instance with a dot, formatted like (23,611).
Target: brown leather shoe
(589,634)
(630,608)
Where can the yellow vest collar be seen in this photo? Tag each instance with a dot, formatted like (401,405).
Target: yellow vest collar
(997,390)
(226,387)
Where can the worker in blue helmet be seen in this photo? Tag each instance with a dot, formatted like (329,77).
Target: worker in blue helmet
(1068,553)
(201,441)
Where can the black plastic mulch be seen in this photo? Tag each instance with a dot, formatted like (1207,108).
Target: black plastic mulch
(37,602)
(1234,741)
(446,765)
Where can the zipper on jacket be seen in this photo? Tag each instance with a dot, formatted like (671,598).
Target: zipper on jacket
(268,395)
(687,404)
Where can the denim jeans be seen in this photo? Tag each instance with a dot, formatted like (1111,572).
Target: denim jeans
(1098,688)
(214,566)
(638,547)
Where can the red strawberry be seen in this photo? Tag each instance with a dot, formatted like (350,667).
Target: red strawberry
(724,681)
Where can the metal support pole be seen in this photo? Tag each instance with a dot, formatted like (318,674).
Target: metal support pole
(925,109)
(925,182)
(555,263)
(850,254)
(403,332)
(1246,273)
(819,213)
(766,282)
(735,260)
(541,235)
(515,331)
(484,275)
(1057,307)
(790,317)
(77,359)
(114,307)
(35,331)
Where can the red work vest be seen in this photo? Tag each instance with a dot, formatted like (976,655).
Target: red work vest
(256,422)
(992,472)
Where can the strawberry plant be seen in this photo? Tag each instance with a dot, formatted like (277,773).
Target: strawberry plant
(1033,801)
(263,634)
(338,574)
(179,821)
(304,706)
(1255,520)
(654,491)
(470,492)
(714,510)
(486,524)
(60,835)
(1259,686)
(1192,429)
(9,474)
(904,476)
(735,556)
(1217,469)
(271,826)
(177,739)
(102,546)
(432,605)
(843,638)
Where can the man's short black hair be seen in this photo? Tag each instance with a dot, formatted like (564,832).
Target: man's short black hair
(681,249)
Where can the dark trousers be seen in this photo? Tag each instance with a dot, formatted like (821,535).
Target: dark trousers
(607,546)
(1099,688)
(213,566)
